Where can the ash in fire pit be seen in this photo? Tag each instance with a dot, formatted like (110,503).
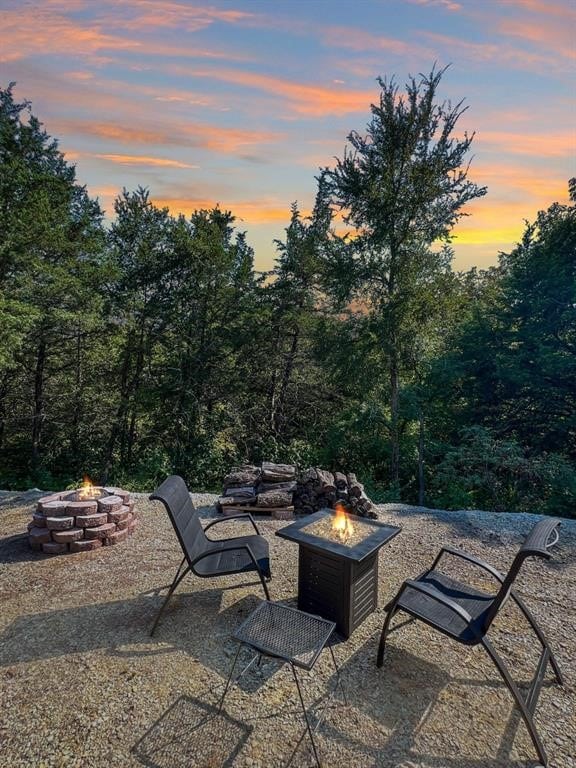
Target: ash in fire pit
(81,520)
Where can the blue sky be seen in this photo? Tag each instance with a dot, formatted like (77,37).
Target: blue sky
(240,103)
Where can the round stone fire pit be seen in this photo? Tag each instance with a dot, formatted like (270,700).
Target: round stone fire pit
(81,521)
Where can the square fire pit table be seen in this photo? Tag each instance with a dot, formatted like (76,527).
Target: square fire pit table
(337,579)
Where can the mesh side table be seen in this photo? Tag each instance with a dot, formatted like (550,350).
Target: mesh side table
(290,635)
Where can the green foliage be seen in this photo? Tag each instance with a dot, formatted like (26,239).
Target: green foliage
(490,473)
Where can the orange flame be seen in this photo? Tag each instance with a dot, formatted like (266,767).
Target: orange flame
(341,524)
(88,490)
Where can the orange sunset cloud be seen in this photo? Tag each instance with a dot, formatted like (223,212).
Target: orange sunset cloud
(263,211)
(304,99)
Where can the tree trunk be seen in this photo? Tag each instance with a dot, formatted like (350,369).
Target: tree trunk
(120,415)
(286,377)
(420,458)
(4,389)
(39,414)
(394,421)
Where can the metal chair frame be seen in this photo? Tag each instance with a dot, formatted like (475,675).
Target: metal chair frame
(175,488)
(537,543)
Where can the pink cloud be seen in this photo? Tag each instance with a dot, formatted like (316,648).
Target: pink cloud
(207,136)
(154,14)
(143,160)
(449,5)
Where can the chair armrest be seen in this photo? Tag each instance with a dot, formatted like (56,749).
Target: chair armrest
(426,589)
(229,548)
(471,559)
(239,516)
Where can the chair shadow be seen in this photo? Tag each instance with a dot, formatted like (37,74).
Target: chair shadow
(192,733)
(400,699)
(122,629)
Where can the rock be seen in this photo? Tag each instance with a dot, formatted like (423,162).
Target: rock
(54,508)
(100,532)
(116,537)
(91,521)
(59,523)
(82,507)
(85,545)
(65,537)
(125,522)
(39,536)
(110,504)
(54,548)
(120,515)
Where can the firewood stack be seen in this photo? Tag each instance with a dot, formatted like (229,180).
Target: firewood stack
(268,488)
(319,488)
(274,488)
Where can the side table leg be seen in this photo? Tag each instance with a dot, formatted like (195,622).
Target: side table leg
(229,678)
(308,728)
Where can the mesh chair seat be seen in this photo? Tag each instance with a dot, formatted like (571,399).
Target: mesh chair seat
(285,633)
(474,602)
(234,561)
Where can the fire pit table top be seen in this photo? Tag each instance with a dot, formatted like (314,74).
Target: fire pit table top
(315,531)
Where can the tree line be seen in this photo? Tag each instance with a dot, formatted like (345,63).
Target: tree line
(149,345)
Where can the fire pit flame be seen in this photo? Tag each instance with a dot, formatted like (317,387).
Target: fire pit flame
(88,490)
(341,524)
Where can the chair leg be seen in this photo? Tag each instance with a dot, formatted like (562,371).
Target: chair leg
(382,645)
(264,585)
(177,579)
(525,712)
(540,635)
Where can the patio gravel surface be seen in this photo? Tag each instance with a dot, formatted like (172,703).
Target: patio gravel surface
(82,684)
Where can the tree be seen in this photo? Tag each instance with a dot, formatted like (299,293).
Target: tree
(402,188)
(51,257)
(515,356)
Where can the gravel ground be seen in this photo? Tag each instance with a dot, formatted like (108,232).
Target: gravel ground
(82,683)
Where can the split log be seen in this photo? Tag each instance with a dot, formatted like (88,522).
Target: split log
(240,492)
(354,487)
(233,501)
(310,476)
(242,477)
(289,487)
(340,481)
(277,473)
(257,510)
(274,499)
(326,480)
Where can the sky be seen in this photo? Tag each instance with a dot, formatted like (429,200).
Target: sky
(241,102)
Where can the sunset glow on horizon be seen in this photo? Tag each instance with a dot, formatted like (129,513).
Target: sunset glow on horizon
(240,103)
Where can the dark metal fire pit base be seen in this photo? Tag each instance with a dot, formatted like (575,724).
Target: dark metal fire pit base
(344,591)
(337,580)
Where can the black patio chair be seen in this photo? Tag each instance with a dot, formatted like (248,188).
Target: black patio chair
(465,614)
(209,557)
